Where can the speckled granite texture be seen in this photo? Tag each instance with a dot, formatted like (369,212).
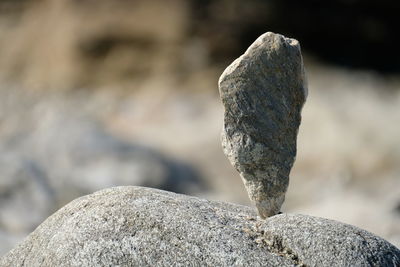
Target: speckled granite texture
(136,226)
(263,92)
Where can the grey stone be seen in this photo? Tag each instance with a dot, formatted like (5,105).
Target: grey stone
(136,226)
(323,242)
(263,92)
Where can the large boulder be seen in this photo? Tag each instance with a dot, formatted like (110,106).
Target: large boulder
(136,226)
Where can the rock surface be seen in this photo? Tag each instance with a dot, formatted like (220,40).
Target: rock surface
(135,226)
(263,92)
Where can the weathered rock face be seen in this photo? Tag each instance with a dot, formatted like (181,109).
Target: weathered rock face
(263,92)
(135,226)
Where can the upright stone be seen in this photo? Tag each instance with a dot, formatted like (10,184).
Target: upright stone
(263,92)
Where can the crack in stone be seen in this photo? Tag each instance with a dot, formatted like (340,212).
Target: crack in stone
(274,244)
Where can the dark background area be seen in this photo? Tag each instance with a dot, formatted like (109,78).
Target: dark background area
(352,33)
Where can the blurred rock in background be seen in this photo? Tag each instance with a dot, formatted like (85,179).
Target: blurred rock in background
(104,93)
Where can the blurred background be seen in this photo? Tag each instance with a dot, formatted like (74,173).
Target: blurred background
(100,93)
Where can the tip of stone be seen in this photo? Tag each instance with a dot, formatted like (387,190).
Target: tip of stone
(275,37)
(268,40)
(278,35)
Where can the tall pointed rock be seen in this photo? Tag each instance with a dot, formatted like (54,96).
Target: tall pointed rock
(263,92)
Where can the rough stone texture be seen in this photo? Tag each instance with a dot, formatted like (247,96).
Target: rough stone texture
(135,226)
(263,92)
(323,242)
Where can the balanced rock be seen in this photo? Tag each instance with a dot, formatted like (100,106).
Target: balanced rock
(136,226)
(263,92)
